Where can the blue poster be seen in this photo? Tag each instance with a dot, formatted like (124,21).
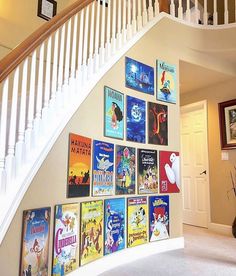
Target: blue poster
(166,82)
(113,113)
(139,76)
(114,236)
(158,217)
(136,119)
(103,168)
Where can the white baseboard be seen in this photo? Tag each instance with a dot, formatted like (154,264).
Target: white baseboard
(221,228)
(128,255)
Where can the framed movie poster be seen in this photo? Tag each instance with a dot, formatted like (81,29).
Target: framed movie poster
(125,170)
(158,218)
(113,113)
(227,115)
(166,82)
(103,168)
(66,239)
(114,225)
(35,242)
(169,164)
(135,120)
(91,231)
(137,221)
(139,76)
(147,171)
(79,163)
(157,124)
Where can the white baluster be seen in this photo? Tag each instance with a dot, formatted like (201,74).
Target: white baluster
(150,11)
(226,13)
(108,43)
(91,41)
(73,54)
(124,31)
(80,46)
(139,16)
(97,35)
(215,14)
(156,8)
(55,69)
(129,30)
(20,145)
(180,10)
(60,100)
(102,36)
(119,38)
(144,13)
(188,11)
(134,21)
(205,15)
(197,12)
(68,54)
(10,159)
(85,47)
(28,134)
(3,134)
(172,8)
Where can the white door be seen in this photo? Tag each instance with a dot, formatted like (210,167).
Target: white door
(194,164)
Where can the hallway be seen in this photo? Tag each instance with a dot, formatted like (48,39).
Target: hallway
(206,253)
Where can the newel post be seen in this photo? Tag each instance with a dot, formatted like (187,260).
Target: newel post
(164,6)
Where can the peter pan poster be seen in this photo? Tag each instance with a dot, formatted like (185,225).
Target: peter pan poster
(135,120)
(35,242)
(125,170)
(137,221)
(79,166)
(166,82)
(91,234)
(113,113)
(103,168)
(66,240)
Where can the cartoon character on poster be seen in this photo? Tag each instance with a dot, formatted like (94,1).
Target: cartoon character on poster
(113,113)
(158,124)
(103,168)
(137,221)
(91,234)
(125,170)
(114,220)
(139,76)
(166,82)
(35,242)
(136,120)
(169,172)
(158,218)
(79,165)
(147,171)
(65,252)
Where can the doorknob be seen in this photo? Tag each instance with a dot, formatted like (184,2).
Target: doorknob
(204,172)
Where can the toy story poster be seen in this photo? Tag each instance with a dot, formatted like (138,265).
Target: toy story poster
(158,218)
(135,120)
(169,172)
(66,240)
(147,171)
(157,124)
(103,168)
(113,113)
(139,76)
(79,165)
(114,225)
(91,234)
(166,82)
(125,170)
(35,242)
(137,221)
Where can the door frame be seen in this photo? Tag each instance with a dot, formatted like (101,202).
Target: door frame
(192,107)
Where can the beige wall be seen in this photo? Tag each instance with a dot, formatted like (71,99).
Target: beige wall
(49,185)
(223,210)
(18,19)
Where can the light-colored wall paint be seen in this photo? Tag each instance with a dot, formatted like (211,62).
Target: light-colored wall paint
(223,210)
(49,185)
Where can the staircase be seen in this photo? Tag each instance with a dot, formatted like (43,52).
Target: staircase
(46,78)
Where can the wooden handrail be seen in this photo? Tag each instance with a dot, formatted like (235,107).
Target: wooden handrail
(24,49)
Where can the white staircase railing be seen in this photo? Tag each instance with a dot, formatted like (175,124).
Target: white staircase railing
(51,71)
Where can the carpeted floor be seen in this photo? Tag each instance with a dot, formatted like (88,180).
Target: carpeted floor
(205,253)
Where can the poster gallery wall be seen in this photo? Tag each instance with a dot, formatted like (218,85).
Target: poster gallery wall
(49,186)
